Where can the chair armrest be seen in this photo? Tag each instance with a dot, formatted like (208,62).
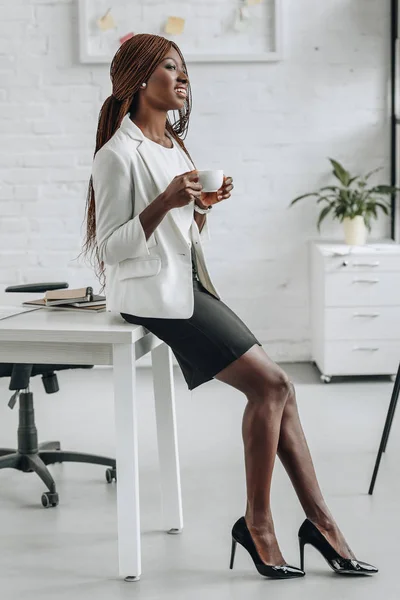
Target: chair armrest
(33,288)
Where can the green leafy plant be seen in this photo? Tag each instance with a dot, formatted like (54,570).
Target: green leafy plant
(352,197)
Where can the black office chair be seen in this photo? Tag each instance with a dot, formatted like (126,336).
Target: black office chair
(31,456)
(386,429)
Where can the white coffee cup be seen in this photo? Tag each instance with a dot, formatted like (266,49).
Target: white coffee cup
(211,180)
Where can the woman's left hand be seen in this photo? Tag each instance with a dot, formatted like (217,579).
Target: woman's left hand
(224,192)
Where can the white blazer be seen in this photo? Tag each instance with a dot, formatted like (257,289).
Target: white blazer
(150,278)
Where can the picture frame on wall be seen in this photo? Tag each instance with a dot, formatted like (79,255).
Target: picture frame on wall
(224,31)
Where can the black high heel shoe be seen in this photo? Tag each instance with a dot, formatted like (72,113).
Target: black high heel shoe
(310,534)
(241,534)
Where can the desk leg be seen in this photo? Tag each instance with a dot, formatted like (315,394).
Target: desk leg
(164,396)
(128,511)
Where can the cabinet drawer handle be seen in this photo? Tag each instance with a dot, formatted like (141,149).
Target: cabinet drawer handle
(371,264)
(366,314)
(365,280)
(365,348)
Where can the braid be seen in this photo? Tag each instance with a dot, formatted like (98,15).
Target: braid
(133,63)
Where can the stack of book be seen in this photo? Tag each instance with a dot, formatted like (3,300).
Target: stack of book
(78,299)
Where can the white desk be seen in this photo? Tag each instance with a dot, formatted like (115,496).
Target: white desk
(51,336)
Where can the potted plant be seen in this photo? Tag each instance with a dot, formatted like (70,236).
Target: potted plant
(352,202)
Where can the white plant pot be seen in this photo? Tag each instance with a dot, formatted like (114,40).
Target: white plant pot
(355,231)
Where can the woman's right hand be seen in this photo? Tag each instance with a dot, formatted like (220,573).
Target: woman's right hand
(182,190)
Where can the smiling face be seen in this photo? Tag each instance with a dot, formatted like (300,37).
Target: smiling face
(162,90)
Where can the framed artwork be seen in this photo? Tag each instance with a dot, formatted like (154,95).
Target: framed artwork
(205,30)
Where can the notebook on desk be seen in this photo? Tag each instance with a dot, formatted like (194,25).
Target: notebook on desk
(56,297)
(77,299)
(41,303)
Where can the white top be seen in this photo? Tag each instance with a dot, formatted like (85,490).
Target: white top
(173,164)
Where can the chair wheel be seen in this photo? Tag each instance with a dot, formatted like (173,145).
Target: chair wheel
(50,499)
(110,475)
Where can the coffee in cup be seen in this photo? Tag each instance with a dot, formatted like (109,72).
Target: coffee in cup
(211,180)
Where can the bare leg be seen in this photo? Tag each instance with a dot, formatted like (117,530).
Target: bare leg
(271,424)
(266,388)
(295,456)
(260,432)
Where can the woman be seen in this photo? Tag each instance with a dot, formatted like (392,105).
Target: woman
(146,219)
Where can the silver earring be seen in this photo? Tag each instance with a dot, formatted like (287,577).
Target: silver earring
(144,85)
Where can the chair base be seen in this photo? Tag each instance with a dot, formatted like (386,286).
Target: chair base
(50,453)
(31,456)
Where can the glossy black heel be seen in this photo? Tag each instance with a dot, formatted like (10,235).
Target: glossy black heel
(310,534)
(241,534)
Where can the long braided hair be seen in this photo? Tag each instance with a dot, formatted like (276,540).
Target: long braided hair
(133,63)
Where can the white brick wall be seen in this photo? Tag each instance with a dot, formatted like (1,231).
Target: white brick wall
(270,126)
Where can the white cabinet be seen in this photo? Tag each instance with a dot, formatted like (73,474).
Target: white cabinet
(355,308)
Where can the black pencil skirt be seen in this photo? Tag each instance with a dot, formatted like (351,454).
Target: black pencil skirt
(212,338)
